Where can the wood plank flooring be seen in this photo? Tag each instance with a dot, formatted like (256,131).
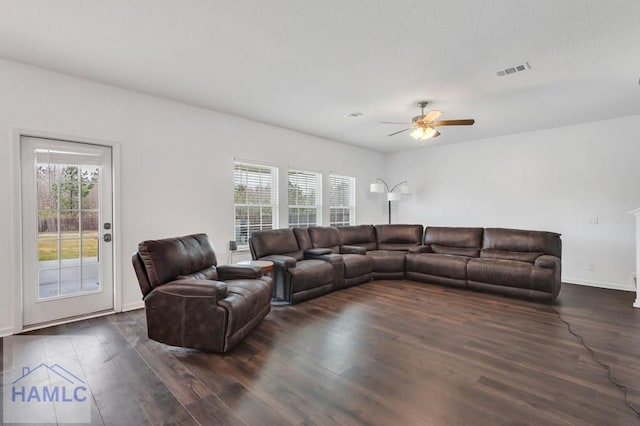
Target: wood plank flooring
(383,353)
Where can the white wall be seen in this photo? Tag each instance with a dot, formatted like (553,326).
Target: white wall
(551,180)
(176,163)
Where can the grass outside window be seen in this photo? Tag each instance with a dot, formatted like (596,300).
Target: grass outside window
(48,245)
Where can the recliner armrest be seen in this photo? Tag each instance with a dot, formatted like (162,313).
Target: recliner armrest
(239,272)
(330,257)
(352,250)
(280,261)
(547,261)
(215,290)
(317,252)
(421,249)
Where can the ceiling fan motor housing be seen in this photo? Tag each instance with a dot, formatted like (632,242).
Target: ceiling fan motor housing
(417,120)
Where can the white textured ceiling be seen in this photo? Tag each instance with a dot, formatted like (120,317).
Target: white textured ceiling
(304,64)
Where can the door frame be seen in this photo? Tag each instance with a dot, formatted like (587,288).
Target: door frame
(16,134)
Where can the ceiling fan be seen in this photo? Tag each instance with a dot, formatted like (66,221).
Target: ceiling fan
(425,124)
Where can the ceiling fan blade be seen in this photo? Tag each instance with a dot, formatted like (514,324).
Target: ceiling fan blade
(395,133)
(433,115)
(465,122)
(393,122)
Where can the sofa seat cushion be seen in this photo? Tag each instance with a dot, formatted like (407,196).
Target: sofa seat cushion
(245,300)
(387,260)
(443,265)
(510,273)
(356,265)
(311,273)
(522,256)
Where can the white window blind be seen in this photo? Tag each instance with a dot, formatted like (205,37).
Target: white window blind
(255,200)
(342,200)
(305,199)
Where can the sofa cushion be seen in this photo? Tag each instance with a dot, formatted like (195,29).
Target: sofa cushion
(398,237)
(275,241)
(359,235)
(459,251)
(164,260)
(453,236)
(522,241)
(356,265)
(245,300)
(303,238)
(387,260)
(522,256)
(210,273)
(510,273)
(311,273)
(443,265)
(325,237)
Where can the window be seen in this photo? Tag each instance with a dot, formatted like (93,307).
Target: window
(255,190)
(305,205)
(342,200)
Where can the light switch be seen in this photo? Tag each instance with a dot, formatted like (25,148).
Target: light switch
(593,220)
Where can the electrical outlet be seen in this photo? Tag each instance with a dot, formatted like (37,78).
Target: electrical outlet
(591,267)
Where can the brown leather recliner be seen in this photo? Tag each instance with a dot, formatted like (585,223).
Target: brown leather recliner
(192,302)
(511,262)
(298,274)
(358,268)
(518,262)
(445,256)
(386,245)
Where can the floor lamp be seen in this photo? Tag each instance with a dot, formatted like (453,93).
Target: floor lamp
(393,194)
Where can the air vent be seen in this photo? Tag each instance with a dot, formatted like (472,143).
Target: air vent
(514,69)
(353,115)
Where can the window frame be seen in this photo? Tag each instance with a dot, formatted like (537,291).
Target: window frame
(350,208)
(274,205)
(317,206)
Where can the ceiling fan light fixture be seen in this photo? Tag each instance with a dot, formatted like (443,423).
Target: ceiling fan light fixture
(417,133)
(429,132)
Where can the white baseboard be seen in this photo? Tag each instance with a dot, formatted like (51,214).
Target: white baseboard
(601,284)
(133,306)
(6,331)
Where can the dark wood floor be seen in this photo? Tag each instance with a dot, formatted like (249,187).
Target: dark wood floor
(387,353)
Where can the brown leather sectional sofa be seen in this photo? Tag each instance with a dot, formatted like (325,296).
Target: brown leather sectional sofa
(313,261)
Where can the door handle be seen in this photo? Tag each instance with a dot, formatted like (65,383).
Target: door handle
(107,239)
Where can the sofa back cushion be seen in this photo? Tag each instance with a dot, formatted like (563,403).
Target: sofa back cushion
(325,237)
(358,235)
(458,241)
(303,239)
(398,237)
(166,259)
(516,240)
(275,241)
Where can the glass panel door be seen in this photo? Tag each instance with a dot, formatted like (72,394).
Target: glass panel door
(66,194)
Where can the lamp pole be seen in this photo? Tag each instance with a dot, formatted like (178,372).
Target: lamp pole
(389,191)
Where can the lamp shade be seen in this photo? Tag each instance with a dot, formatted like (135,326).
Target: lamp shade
(393,196)
(376,187)
(404,189)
